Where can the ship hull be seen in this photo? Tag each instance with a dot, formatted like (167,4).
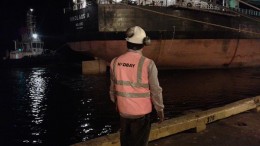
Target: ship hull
(180,38)
(183,53)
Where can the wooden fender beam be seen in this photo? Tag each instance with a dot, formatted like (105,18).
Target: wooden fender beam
(94,67)
(197,120)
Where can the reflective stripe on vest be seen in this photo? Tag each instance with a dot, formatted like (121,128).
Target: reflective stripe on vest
(132,95)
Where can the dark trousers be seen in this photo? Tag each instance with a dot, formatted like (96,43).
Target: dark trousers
(135,132)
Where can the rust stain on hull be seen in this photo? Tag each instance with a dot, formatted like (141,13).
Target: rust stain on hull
(183,53)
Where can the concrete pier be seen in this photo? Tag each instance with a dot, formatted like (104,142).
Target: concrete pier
(239,130)
(197,121)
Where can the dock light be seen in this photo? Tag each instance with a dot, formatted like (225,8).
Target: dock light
(31,10)
(35,36)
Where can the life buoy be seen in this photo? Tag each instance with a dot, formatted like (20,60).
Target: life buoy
(189,5)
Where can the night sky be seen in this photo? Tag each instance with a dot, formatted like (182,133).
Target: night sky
(49,18)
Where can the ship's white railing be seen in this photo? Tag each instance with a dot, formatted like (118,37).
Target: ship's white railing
(247,11)
(205,6)
(213,6)
(79,5)
(108,1)
(163,3)
(216,7)
(196,4)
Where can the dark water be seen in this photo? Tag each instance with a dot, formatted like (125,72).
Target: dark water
(58,106)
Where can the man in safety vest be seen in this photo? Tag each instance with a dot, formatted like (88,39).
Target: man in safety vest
(135,88)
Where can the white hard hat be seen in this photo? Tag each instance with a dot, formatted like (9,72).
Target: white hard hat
(135,35)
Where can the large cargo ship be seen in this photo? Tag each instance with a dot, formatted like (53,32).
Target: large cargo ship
(185,33)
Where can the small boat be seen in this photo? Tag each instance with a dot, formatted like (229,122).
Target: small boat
(29,51)
(31,44)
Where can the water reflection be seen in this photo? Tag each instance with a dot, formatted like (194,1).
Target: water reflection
(60,106)
(33,104)
(37,87)
(107,129)
(204,89)
(95,113)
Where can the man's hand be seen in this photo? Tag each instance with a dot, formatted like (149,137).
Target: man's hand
(160,115)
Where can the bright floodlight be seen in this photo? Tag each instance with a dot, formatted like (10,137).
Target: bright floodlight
(35,36)
(31,10)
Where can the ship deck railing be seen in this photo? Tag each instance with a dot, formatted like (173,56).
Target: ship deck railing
(216,7)
(246,11)
(202,6)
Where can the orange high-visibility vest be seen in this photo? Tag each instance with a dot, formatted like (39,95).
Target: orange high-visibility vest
(131,83)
